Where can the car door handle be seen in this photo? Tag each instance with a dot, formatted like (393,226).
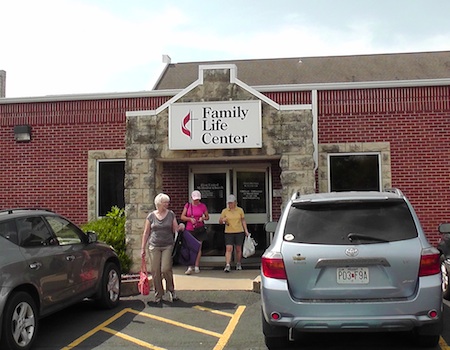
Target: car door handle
(35,266)
(70,257)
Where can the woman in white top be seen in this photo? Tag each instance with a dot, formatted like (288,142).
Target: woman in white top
(159,229)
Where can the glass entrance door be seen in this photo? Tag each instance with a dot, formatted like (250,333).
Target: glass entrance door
(251,187)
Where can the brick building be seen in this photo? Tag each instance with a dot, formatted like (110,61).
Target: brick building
(260,129)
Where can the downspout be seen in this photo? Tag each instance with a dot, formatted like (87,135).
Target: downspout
(315,130)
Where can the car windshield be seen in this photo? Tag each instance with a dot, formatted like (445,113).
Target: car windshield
(350,222)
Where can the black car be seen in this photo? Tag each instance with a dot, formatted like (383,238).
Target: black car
(46,264)
(444,249)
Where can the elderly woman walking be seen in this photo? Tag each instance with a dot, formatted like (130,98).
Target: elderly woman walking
(159,230)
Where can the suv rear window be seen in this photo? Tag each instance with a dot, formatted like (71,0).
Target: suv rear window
(331,223)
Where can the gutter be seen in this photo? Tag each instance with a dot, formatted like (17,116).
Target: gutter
(260,88)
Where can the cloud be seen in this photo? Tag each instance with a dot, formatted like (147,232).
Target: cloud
(80,48)
(87,46)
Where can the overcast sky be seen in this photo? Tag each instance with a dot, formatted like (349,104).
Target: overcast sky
(54,47)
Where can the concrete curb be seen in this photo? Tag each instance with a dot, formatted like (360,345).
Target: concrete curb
(129,286)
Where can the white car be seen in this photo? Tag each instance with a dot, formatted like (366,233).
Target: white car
(350,261)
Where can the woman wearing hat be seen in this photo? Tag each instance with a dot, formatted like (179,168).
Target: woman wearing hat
(195,214)
(235,231)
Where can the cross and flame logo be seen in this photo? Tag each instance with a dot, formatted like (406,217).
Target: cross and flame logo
(185,129)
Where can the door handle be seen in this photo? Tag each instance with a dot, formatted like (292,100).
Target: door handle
(35,266)
(70,258)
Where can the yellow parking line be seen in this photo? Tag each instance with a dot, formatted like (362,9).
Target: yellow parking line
(217,312)
(223,337)
(95,330)
(230,329)
(443,345)
(178,324)
(132,339)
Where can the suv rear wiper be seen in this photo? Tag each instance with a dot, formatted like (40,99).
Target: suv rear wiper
(358,236)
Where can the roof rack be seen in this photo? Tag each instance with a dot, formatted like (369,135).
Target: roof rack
(394,190)
(11,210)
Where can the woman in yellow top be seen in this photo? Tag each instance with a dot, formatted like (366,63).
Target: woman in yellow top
(235,231)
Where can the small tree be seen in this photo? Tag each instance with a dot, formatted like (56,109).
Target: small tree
(111,230)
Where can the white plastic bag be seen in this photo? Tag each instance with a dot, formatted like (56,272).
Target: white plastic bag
(249,246)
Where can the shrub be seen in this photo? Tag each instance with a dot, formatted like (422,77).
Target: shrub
(111,230)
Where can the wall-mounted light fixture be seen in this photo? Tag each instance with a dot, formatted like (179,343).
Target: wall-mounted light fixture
(22,133)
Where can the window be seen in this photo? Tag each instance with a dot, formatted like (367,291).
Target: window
(66,233)
(33,232)
(354,172)
(8,231)
(331,223)
(111,175)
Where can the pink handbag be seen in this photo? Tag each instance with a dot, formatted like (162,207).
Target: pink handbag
(143,284)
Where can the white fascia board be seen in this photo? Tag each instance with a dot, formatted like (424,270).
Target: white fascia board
(87,97)
(354,85)
(257,94)
(146,113)
(295,107)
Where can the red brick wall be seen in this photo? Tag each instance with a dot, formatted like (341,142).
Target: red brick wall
(175,179)
(51,170)
(415,121)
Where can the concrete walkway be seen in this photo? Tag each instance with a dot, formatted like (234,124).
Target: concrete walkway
(209,278)
(213,278)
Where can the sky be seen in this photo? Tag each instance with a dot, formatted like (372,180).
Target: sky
(58,47)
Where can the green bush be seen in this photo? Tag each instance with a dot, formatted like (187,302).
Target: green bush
(111,230)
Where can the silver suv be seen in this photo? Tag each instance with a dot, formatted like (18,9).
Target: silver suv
(350,261)
(46,264)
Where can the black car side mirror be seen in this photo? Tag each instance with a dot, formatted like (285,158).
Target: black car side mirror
(92,236)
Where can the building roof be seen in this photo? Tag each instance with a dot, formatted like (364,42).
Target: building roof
(319,70)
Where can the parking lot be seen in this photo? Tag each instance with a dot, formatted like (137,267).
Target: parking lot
(200,320)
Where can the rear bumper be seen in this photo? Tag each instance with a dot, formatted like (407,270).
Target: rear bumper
(332,316)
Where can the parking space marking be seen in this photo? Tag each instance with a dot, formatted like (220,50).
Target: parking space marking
(81,339)
(223,337)
(443,345)
(132,339)
(230,329)
(176,323)
(213,311)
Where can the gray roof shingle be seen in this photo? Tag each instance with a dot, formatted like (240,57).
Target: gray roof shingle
(318,70)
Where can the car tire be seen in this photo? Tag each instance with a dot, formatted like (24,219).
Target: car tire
(109,294)
(428,341)
(445,280)
(274,343)
(20,322)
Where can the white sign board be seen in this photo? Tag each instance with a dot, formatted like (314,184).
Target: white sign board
(215,125)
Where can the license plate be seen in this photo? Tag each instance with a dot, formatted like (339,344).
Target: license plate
(352,275)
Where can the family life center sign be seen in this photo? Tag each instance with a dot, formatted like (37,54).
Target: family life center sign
(215,125)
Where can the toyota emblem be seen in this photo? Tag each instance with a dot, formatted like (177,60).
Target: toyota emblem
(352,252)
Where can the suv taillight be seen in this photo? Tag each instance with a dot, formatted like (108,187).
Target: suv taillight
(429,263)
(273,267)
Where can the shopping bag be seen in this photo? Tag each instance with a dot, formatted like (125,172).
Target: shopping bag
(249,247)
(189,249)
(178,242)
(143,283)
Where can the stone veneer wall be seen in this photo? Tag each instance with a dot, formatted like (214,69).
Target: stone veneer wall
(284,133)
